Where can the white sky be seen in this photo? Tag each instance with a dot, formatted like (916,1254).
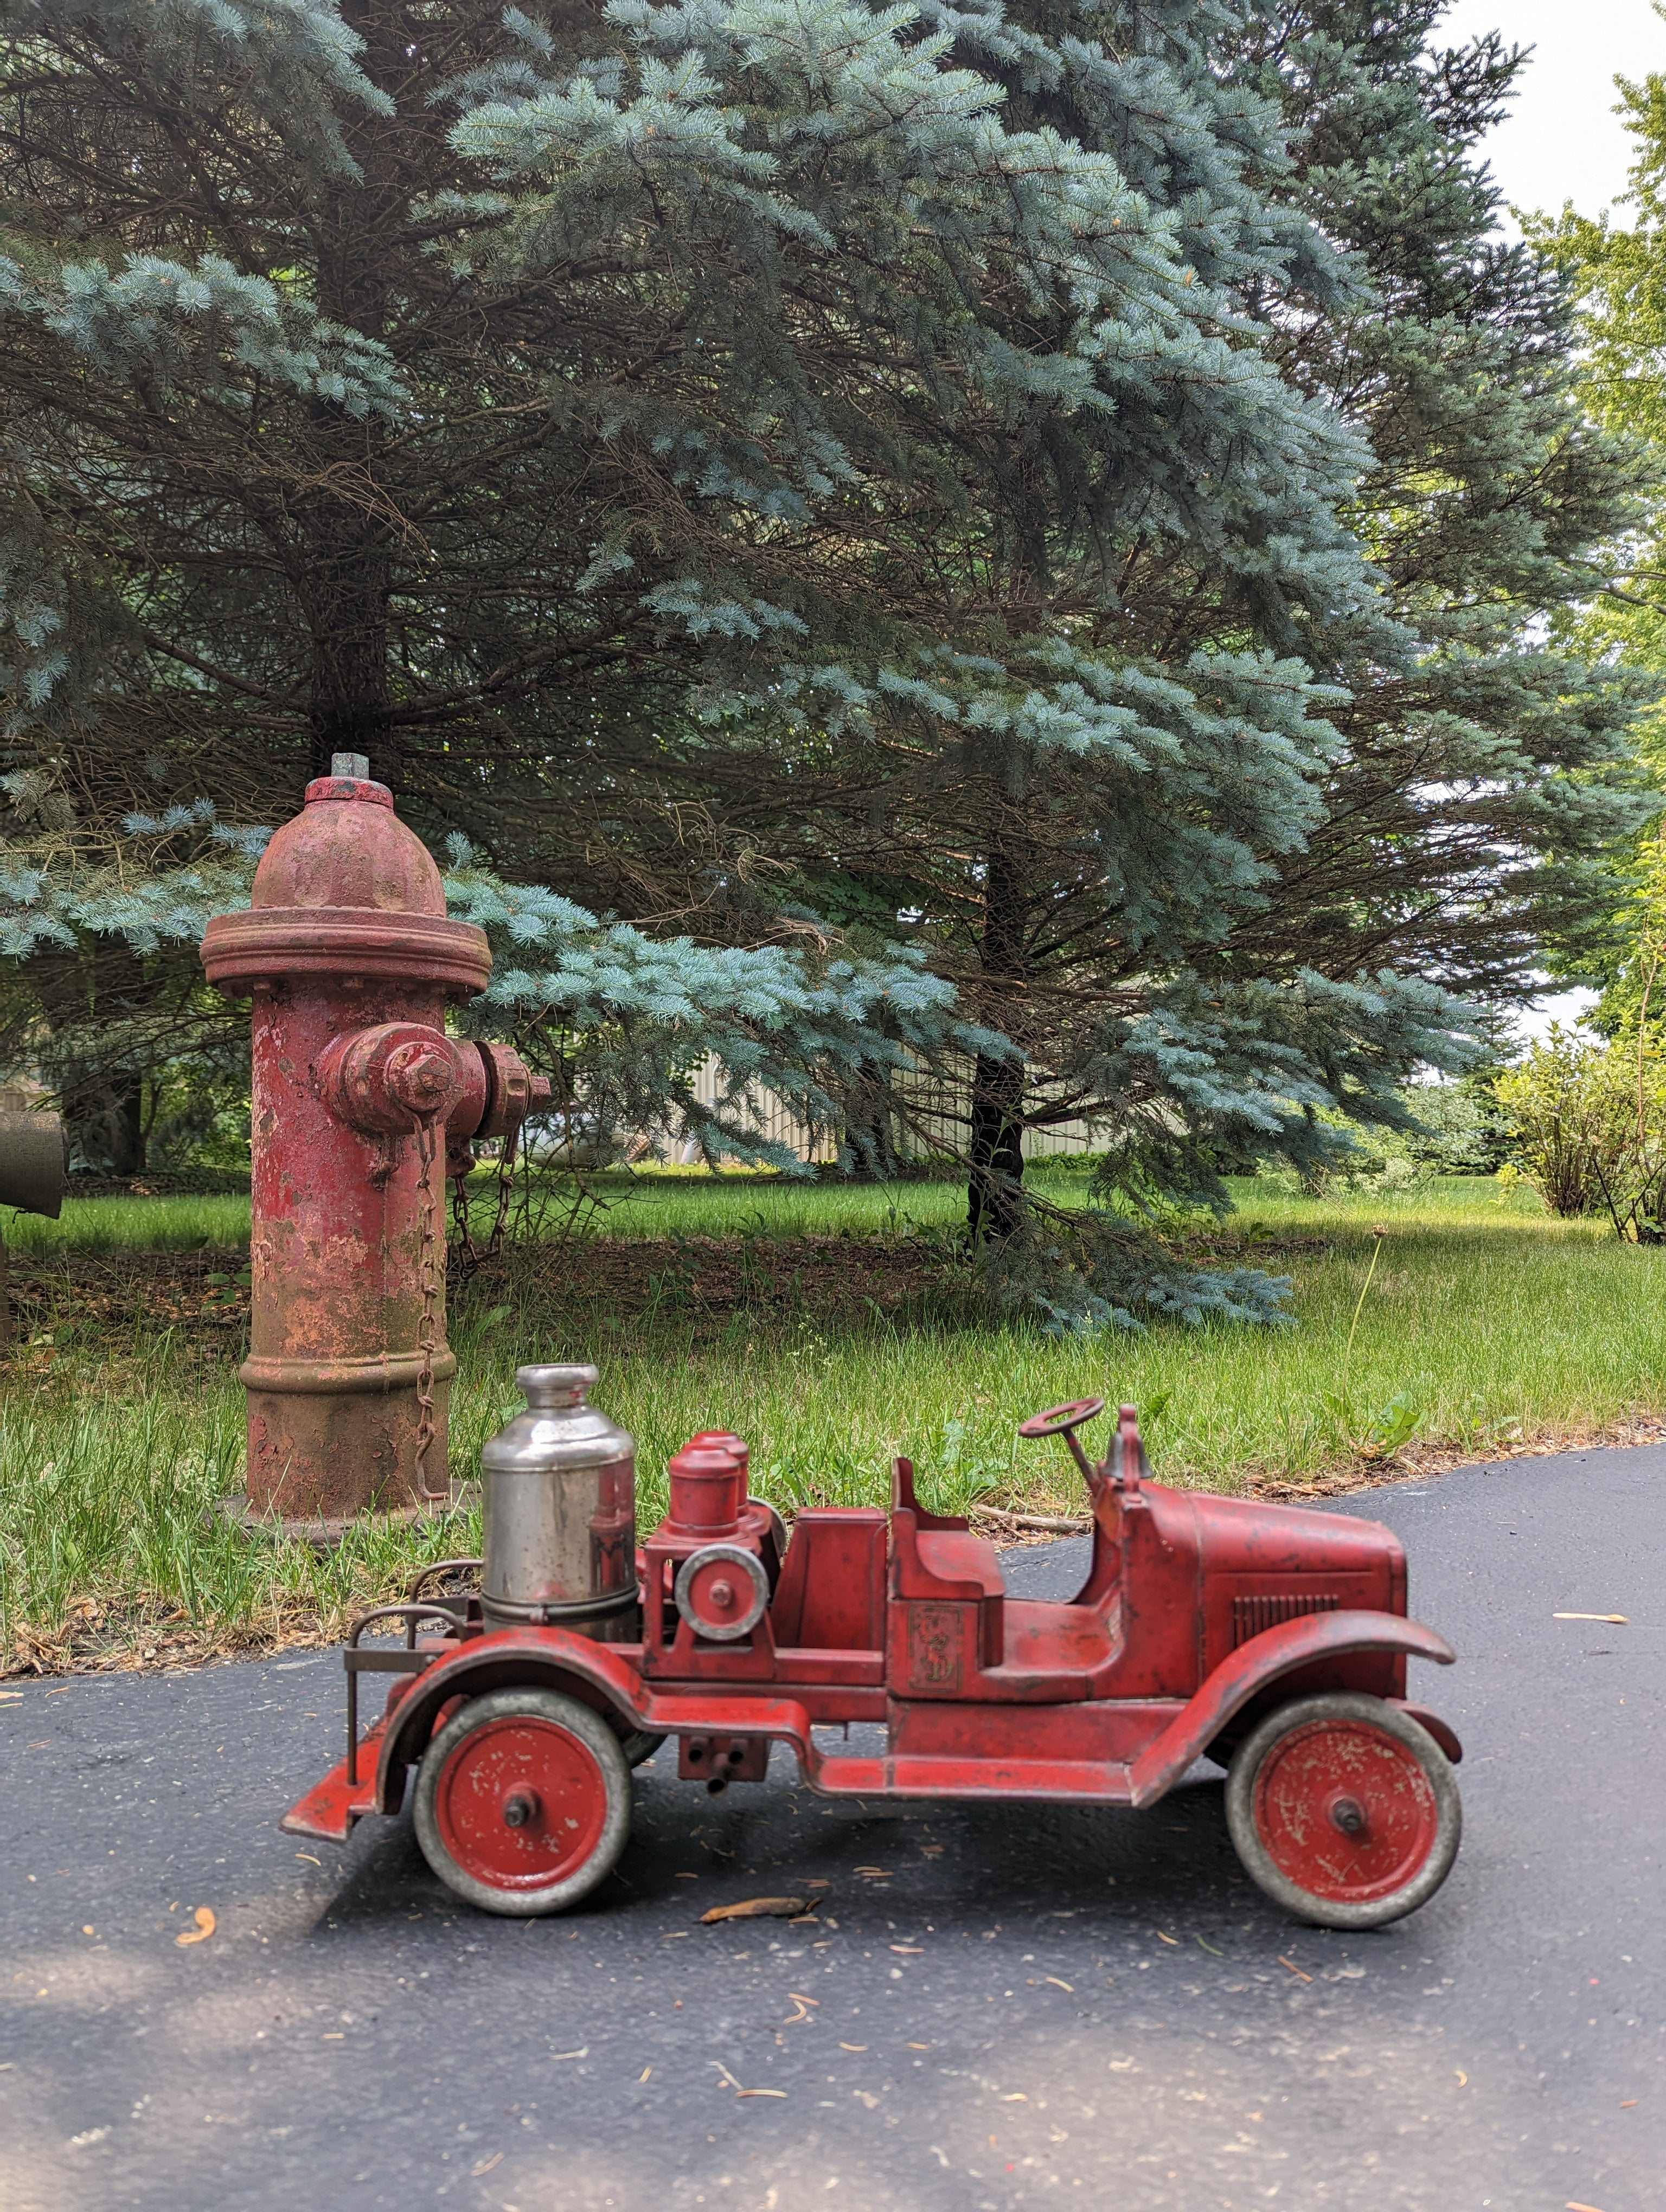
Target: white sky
(1562,140)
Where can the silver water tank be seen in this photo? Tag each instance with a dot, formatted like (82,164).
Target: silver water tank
(561,1513)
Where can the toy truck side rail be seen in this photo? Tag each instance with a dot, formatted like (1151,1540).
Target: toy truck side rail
(1176,1731)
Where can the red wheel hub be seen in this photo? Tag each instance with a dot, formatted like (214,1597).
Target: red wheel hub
(1345,1810)
(520,1803)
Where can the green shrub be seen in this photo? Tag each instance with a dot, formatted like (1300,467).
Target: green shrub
(1589,1124)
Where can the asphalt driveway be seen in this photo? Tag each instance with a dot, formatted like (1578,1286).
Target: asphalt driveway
(996,2007)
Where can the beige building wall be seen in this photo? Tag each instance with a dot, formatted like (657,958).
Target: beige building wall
(937,1114)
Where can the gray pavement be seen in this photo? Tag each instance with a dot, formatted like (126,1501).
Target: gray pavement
(1002,2007)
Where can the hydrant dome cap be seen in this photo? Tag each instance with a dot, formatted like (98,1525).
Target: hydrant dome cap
(347,847)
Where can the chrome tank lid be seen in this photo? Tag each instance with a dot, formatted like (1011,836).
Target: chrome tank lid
(558,1429)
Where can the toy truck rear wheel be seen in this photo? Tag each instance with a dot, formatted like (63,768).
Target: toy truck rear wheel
(1343,1810)
(638,1746)
(523,1801)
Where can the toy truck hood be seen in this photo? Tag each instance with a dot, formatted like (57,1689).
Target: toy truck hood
(1241,1535)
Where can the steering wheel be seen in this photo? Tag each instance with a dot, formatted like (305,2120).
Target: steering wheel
(1064,1421)
(1060,1420)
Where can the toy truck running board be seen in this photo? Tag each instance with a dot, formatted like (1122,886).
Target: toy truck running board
(1171,1733)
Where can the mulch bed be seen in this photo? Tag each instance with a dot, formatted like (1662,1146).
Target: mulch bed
(710,1278)
(161,1182)
(123,1294)
(702,1281)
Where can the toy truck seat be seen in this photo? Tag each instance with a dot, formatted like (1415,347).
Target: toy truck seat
(831,1595)
(955,1632)
(947,1613)
(950,1555)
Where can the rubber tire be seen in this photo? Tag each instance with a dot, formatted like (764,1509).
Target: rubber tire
(598,1738)
(1258,1864)
(638,1746)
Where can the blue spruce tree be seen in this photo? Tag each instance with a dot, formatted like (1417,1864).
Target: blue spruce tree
(787,476)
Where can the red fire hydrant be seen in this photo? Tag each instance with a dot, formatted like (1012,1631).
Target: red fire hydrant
(358,1097)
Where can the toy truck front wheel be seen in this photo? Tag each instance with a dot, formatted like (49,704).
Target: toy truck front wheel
(1343,1810)
(523,1801)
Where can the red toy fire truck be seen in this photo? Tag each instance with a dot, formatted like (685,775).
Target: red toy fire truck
(1270,1639)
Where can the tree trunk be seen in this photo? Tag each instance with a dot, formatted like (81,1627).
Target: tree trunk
(994,1197)
(346,600)
(869,1133)
(107,1118)
(994,1200)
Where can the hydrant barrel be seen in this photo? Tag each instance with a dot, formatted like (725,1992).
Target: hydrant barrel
(350,959)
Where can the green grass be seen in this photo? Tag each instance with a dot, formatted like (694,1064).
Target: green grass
(1484,1315)
(1484,1318)
(695,1204)
(132,1224)
(668,1203)
(106,1488)
(628,1206)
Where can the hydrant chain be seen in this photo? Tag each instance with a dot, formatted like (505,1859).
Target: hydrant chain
(472,1254)
(506,1165)
(432,1236)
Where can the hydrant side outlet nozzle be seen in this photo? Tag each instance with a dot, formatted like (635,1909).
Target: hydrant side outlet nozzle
(351,960)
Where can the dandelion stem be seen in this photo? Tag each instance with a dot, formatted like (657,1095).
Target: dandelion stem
(1376,1253)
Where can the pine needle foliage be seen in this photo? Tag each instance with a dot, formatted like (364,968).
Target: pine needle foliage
(848,504)
(1617,270)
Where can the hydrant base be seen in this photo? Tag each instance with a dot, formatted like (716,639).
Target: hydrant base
(325,1533)
(322,1454)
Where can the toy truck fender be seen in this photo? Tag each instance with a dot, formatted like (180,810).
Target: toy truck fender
(557,1659)
(1262,1661)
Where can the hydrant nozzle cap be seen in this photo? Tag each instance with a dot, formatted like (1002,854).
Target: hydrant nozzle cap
(555,1386)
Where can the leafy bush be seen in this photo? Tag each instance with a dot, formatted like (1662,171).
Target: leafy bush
(1462,1129)
(1456,1129)
(1589,1123)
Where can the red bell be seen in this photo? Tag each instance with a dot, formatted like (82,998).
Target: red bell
(708,1490)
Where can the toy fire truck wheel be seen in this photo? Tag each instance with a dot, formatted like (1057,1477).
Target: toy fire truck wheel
(777,1528)
(1343,1810)
(523,1801)
(638,1746)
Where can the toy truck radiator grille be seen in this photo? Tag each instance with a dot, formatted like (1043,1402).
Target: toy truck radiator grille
(1251,1615)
